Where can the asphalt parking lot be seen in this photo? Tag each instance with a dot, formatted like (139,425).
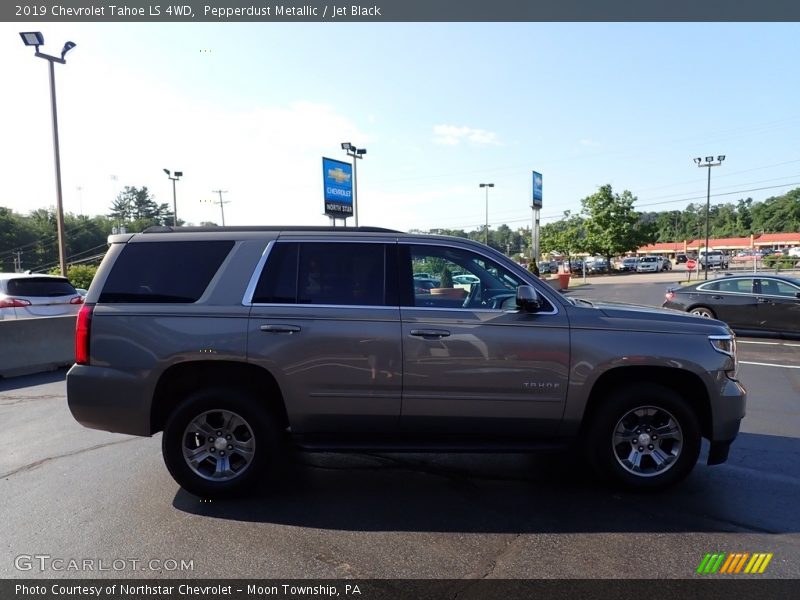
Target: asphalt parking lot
(71,492)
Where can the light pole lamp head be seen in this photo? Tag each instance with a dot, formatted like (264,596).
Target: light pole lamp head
(178,174)
(32,38)
(67,47)
(709,159)
(168,172)
(720,158)
(698,160)
(487,185)
(361,151)
(346,145)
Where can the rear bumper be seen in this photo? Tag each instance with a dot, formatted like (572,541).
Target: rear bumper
(108,399)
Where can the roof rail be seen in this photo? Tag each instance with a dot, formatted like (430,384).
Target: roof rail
(235,228)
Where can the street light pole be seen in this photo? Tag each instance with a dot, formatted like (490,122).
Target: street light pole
(486,232)
(708,163)
(178,175)
(36,39)
(356,153)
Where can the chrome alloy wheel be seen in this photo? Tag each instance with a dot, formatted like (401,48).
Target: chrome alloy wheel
(218,445)
(647,441)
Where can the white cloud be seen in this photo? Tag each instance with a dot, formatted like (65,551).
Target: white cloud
(450,135)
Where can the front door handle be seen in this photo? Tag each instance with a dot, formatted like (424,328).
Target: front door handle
(763,300)
(280,328)
(430,333)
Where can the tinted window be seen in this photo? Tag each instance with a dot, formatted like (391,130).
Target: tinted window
(164,271)
(738,286)
(774,287)
(278,281)
(324,273)
(45,287)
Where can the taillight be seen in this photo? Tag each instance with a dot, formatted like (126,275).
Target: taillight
(82,334)
(14,303)
(77,300)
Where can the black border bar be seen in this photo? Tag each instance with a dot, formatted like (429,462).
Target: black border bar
(700,588)
(185,11)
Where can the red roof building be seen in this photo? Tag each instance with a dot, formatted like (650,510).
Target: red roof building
(771,240)
(778,239)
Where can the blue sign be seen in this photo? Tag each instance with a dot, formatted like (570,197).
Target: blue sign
(337,179)
(537,190)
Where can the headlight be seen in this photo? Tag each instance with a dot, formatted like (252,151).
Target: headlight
(726,344)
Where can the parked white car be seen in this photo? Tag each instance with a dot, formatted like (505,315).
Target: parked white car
(24,296)
(653,264)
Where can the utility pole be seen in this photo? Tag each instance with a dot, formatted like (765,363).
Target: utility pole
(221,203)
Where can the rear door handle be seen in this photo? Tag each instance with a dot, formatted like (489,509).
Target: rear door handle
(763,300)
(280,328)
(430,333)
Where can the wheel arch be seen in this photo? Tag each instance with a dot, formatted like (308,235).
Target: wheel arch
(182,378)
(687,384)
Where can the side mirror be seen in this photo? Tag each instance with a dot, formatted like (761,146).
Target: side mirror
(528,299)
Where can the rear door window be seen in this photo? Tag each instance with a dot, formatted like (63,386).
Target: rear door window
(161,272)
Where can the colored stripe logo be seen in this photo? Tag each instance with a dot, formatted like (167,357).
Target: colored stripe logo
(734,563)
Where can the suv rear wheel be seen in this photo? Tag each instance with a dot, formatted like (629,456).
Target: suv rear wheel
(644,436)
(220,442)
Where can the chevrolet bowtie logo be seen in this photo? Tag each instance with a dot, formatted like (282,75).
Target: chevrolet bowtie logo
(338,175)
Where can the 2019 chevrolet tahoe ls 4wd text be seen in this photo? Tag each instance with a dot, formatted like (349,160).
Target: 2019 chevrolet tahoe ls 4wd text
(237,342)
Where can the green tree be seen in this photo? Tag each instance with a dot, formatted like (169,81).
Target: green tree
(567,236)
(137,209)
(613,227)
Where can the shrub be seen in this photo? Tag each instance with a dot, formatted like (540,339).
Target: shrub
(79,276)
(779,262)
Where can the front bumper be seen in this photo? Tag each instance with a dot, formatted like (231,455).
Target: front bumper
(727,412)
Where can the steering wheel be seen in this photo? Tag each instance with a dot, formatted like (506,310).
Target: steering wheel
(475,296)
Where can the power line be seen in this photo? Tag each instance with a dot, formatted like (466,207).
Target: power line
(548,217)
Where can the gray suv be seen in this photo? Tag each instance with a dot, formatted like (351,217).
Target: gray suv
(239,343)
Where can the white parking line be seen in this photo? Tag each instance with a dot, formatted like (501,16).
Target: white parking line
(760,364)
(790,345)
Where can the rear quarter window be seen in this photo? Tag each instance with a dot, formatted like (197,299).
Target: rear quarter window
(156,272)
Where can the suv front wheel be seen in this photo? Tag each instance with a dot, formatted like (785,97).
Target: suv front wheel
(220,442)
(644,436)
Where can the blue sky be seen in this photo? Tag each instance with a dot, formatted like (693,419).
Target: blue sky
(252,108)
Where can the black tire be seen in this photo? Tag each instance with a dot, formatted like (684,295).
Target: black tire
(251,441)
(636,412)
(703,311)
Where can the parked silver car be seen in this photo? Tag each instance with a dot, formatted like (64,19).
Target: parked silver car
(26,296)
